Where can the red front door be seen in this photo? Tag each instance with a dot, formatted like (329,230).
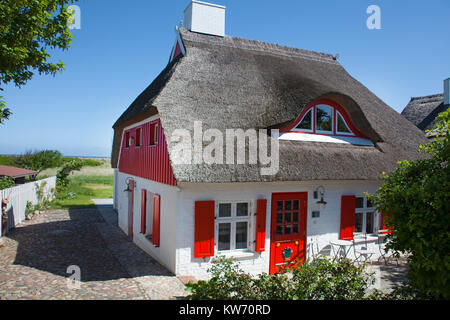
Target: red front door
(288,229)
(130,208)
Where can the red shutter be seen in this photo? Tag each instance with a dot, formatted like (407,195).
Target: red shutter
(348,204)
(156,219)
(204,229)
(261,207)
(143,210)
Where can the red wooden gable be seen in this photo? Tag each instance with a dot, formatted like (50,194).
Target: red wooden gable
(150,159)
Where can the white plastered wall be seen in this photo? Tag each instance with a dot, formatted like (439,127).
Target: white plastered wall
(325,228)
(165,253)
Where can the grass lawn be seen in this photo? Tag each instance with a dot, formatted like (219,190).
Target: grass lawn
(91,182)
(82,189)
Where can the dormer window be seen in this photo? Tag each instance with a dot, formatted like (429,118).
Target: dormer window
(324,121)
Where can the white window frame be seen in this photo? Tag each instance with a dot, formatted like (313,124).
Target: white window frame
(346,125)
(312,110)
(233,219)
(364,210)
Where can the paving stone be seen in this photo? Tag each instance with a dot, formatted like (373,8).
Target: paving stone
(35,256)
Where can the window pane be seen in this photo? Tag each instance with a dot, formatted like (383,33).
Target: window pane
(138,137)
(287,229)
(341,125)
(296,204)
(288,205)
(225,210)
(279,218)
(324,118)
(242,209)
(296,215)
(369,204)
(369,222)
(224,236)
(127,140)
(280,206)
(358,222)
(295,230)
(279,230)
(288,217)
(241,235)
(306,123)
(359,202)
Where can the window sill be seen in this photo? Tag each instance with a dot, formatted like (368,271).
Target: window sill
(298,136)
(237,254)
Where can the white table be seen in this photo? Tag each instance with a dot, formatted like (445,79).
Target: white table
(344,247)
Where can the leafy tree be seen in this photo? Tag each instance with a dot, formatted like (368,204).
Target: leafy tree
(28,29)
(63,174)
(38,160)
(6,182)
(416,198)
(4,111)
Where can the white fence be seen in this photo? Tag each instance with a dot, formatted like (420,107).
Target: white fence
(18,197)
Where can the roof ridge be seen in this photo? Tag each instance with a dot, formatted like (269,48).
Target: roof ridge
(429,97)
(256,45)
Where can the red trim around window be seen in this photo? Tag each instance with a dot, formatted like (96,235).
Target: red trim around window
(336,107)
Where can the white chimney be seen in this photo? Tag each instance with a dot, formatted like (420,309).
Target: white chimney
(447,91)
(205,18)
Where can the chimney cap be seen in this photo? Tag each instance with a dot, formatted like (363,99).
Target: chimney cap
(205,3)
(205,17)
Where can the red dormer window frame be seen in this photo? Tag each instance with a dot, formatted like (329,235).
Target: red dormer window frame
(336,109)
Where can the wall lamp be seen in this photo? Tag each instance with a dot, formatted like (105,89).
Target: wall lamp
(128,181)
(320,190)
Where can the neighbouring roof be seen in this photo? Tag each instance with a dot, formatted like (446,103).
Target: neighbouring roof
(229,82)
(15,172)
(423,111)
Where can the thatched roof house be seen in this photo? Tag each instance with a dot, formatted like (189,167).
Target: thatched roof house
(334,139)
(229,82)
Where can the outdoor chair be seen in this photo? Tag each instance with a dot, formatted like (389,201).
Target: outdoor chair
(385,255)
(360,248)
(317,252)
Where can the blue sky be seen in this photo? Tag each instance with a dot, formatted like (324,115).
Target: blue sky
(123,45)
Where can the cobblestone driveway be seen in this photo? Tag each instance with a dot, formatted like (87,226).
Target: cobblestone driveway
(34,258)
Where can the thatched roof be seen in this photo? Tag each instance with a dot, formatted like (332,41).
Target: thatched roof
(423,111)
(229,82)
